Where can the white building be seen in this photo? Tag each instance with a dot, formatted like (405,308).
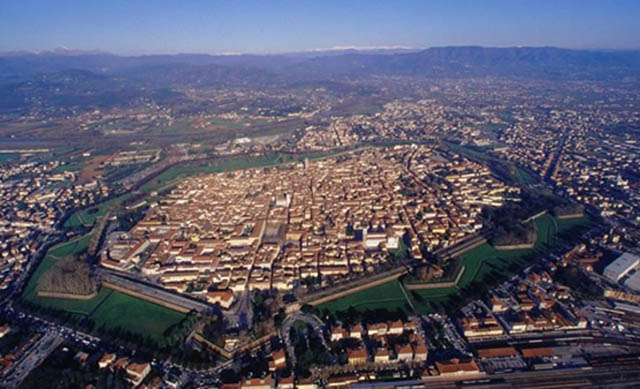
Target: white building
(621,266)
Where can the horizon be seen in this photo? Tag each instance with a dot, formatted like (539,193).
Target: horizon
(66,51)
(250,27)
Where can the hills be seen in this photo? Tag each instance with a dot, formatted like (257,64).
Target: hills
(458,61)
(66,76)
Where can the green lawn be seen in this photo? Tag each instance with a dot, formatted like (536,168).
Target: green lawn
(135,315)
(388,295)
(114,309)
(80,307)
(524,178)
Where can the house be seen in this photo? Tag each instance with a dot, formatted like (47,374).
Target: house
(378,329)
(356,331)
(337,333)
(496,305)
(106,360)
(396,328)
(381,355)
(404,353)
(136,372)
(421,352)
(357,356)
(119,363)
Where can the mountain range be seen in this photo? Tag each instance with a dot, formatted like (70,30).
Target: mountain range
(67,75)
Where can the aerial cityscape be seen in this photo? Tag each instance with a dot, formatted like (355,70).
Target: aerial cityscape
(229,203)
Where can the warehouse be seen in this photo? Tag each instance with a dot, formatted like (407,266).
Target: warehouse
(621,266)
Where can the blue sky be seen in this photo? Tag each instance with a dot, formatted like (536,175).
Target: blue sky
(267,26)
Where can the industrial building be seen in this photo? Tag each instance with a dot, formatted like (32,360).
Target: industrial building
(633,282)
(621,266)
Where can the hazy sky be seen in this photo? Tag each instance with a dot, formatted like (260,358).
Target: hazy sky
(218,26)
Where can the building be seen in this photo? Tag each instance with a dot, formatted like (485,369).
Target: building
(356,331)
(633,282)
(381,355)
(279,360)
(357,356)
(621,266)
(337,333)
(456,366)
(498,352)
(222,297)
(136,372)
(286,383)
(404,353)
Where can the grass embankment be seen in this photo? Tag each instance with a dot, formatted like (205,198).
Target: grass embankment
(480,264)
(88,217)
(506,170)
(388,296)
(109,309)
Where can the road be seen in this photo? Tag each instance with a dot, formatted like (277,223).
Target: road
(31,359)
(311,320)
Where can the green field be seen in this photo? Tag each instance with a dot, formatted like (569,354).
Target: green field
(109,308)
(5,157)
(135,315)
(171,174)
(479,264)
(388,296)
(524,178)
(509,171)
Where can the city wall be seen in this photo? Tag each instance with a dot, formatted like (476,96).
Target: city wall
(69,296)
(146,297)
